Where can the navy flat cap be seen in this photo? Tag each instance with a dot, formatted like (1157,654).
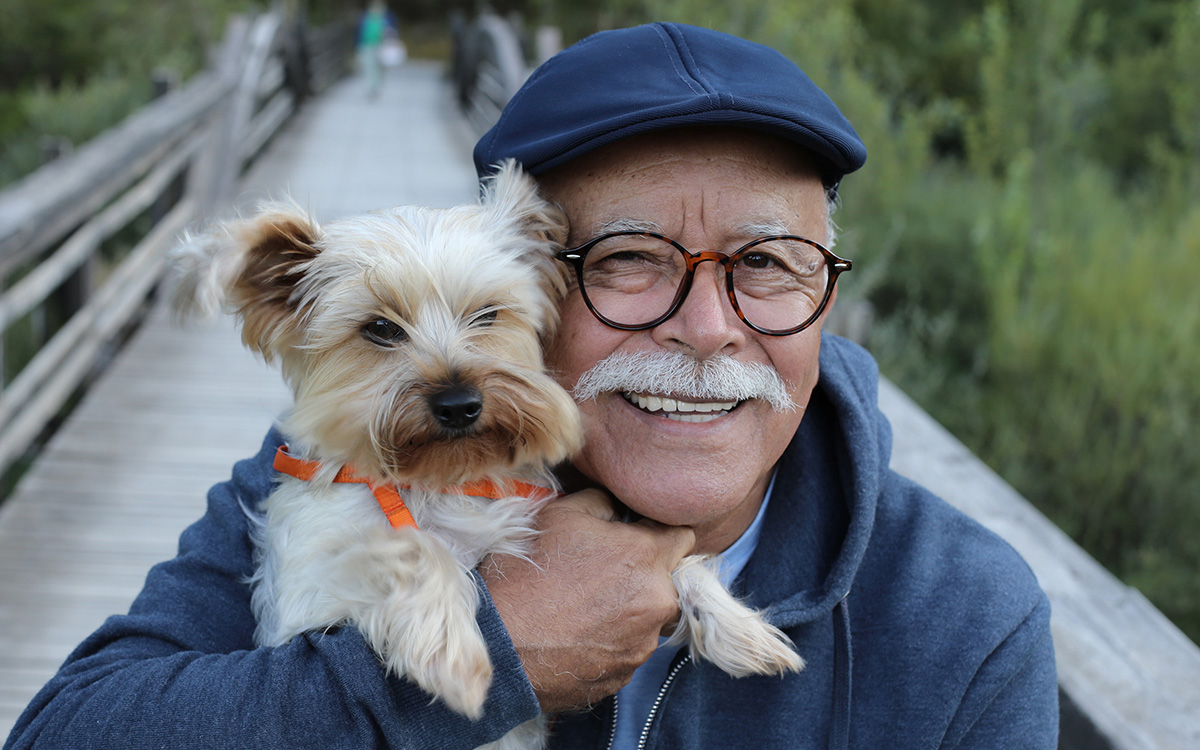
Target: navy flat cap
(615,84)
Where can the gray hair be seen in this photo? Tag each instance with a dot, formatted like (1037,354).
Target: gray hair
(831,204)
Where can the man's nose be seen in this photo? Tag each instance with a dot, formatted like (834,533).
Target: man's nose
(705,323)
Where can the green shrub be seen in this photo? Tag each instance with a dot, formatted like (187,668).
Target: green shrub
(79,112)
(1090,398)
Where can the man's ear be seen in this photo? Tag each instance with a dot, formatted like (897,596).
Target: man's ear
(512,195)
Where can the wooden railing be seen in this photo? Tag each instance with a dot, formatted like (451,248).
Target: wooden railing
(492,57)
(1128,678)
(173,161)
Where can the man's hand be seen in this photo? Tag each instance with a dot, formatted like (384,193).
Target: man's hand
(590,610)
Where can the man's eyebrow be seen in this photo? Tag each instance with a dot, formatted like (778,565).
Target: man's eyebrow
(627,225)
(763,228)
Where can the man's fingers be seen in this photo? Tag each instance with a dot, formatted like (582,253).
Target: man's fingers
(592,501)
(590,608)
(674,542)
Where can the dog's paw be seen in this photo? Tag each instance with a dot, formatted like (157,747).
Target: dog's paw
(746,646)
(460,674)
(418,613)
(722,630)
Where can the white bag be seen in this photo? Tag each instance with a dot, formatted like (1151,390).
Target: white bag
(392,53)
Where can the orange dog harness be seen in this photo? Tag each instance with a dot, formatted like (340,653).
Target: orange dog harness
(388,496)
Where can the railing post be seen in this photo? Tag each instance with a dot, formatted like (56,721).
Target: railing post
(490,65)
(296,64)
(491,60)
(163,81)
(208,180)
(73,294)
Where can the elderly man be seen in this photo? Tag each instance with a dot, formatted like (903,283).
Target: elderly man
(716,413)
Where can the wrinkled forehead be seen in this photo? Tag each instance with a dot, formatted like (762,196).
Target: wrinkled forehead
(759,183)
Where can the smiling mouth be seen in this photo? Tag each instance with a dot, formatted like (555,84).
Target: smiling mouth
(680,411)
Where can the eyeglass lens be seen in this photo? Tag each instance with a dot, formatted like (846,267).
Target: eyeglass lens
(634,279)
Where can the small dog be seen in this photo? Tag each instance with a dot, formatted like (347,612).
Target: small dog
(423,430)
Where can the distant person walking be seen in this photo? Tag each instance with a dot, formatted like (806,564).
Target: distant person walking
(376,27)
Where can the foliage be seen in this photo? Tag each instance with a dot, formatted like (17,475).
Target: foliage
(1029,229)
(72,68)
(68,69)
(1027,226)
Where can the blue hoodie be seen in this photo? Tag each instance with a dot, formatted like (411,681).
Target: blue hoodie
(920,629)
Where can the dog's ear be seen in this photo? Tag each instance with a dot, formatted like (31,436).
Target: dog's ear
(276,246)
(252,268)
(511,194)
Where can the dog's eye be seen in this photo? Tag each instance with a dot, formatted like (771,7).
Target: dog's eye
(485,316)
(384,332)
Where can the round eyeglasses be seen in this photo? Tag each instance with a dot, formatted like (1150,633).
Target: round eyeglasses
(633,280)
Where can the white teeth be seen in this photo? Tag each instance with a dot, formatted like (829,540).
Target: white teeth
(681,411)
(677,417)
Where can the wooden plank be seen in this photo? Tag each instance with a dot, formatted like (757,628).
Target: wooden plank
(1122,666)
(31,290)
(113,491)
(89,330)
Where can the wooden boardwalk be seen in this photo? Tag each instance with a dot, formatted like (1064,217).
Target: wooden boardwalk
(129,469)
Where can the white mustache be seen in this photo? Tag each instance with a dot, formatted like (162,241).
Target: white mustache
(719,378)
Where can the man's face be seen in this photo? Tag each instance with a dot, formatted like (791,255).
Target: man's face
(709,189)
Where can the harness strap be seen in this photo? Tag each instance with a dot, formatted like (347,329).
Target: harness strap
(388,496)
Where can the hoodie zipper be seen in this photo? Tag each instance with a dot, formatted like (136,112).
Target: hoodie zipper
(658,700)
(612,735)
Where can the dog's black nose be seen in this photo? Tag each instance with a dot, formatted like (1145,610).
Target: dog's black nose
(456,407)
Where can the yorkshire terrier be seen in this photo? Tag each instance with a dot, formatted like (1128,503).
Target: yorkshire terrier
(424,428)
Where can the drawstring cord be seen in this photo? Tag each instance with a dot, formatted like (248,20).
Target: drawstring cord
(843,663)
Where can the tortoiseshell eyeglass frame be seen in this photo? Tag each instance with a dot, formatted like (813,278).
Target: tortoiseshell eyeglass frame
(834,266)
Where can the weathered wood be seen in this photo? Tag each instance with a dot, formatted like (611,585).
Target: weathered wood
(1125,671)
(113,490)
(210,129)
(41,208)
(327,54)
(37,285)
(206,181)
(489,68)
(110,309)
(268,120)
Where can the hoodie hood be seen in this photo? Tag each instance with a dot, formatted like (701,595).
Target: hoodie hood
(814,539)
(812,544)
